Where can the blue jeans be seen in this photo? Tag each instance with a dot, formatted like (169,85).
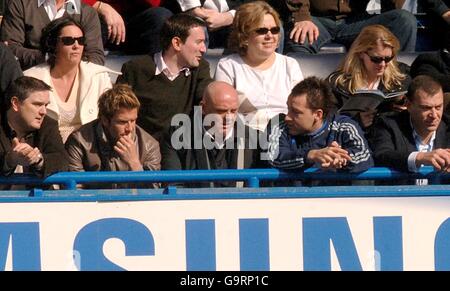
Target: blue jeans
(401,23)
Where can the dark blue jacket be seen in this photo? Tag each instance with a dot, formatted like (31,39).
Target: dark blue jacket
(289,152)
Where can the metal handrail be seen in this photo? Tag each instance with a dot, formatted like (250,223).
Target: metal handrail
(251,176)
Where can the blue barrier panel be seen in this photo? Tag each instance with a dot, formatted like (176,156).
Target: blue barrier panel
(251,228)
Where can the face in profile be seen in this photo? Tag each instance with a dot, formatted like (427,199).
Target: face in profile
(301,119)
(426,111)
(194,47)
(376,60)
(263,41)
(123,123)
(32,110)
(70,45)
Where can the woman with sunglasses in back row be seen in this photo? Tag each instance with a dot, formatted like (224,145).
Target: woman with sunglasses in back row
(76,82)
(371,64)
(262,77)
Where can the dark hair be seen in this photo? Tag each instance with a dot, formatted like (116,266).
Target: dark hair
(22,87)
(50,34)
(425,83)
(318,94)
(112,100)
(178,25)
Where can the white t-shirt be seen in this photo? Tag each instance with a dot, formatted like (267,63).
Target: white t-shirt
(262,94)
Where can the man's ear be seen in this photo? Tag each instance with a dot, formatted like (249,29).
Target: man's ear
(176,43)
(15,103)
(318,114)
(104,121)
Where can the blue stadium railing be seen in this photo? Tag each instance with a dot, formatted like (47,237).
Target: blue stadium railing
(253,177)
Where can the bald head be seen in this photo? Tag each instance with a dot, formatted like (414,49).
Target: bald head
(221,100)
(219,93)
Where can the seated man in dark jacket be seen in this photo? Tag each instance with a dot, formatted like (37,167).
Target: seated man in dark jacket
(417,136)
(29,140)
(312,136)
(215,139)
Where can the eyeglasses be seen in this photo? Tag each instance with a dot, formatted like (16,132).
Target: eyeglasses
(378,60)
(265,30)
(69,40)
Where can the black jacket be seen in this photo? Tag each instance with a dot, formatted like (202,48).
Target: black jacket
(9,71)
(436,65)
(203,158)
(47,139)
(392,140)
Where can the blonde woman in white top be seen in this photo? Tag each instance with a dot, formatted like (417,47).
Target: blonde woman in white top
(76,82)
(262,77)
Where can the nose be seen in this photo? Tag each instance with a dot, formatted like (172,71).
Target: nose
(129,127)
(43,110)
(288,118)
(434,113)
(203,47)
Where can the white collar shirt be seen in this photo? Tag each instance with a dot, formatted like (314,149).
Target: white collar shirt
(161,67)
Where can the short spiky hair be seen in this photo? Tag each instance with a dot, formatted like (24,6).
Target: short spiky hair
(22,87)
(318,94)
(424,83)
(178,25)
(112,100)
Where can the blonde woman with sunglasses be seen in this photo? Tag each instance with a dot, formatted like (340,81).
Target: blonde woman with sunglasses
(262,77)
(76,83)
(371,64)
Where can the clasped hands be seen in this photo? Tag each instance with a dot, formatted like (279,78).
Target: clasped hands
(331,157)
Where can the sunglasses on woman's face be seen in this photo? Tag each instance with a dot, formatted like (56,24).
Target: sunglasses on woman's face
(378,60)
(265,30)
(69,40)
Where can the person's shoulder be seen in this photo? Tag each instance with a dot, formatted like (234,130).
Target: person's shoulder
(342,119)
(49,125)
(148,138)
(95,68)
(429,57)
(85,132)
(231,59)
(140,63)
(333,77)
(142,60)
(286,59)
(37,70)
(394,119)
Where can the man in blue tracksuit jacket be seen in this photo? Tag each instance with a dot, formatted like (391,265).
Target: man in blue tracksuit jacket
(310,135)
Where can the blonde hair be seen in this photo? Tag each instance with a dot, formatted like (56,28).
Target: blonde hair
(248,18)
(352,68)
(112,100)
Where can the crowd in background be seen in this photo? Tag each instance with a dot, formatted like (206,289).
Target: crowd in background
(61,111)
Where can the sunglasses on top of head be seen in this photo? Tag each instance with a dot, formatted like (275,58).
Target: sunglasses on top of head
(378,60)
(69,40)
(265,30)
